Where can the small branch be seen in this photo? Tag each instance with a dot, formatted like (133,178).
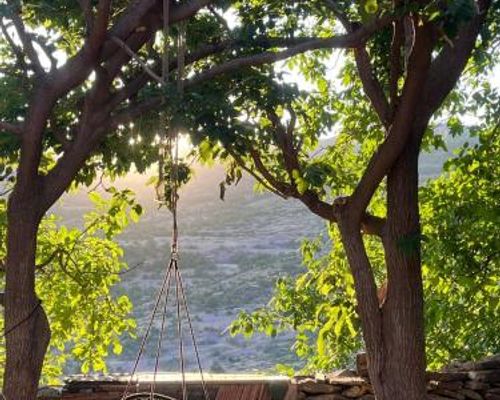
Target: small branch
(396,67)
(341,16)
(18,52)
(49,259)
(219,18)
(257,177)
(280,186)
(9,127)
(350,40)
(26,41)
(46,50)
(86,7)
(284,141)
(134,55)
(448,66)
(372,86)
(4,193)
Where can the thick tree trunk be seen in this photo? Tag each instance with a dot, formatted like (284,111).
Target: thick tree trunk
(403,371)
(26,324)
(393,331)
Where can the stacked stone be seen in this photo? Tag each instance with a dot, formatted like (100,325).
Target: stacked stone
(470,380)
(343,385)
(460,381)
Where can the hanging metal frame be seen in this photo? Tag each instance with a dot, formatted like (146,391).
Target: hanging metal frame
(172,277)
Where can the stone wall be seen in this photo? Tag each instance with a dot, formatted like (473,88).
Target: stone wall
(460,381)
(219,387)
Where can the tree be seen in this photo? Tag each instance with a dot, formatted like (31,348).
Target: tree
(461,266)
(398,81)
(77,270)
(80,110)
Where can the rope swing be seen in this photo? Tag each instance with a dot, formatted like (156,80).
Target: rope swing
(172,280)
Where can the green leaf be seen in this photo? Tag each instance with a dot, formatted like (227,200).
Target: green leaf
(371,6)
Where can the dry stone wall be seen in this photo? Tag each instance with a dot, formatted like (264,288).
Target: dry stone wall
(460,381)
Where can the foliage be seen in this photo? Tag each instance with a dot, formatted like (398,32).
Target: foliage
(318,306)
(462,254)
(77,269)
(461,274)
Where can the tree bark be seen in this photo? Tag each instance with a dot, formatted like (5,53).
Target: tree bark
(403,370)
(26,326)
(393,331)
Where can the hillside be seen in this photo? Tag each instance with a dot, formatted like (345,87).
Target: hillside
(232,252)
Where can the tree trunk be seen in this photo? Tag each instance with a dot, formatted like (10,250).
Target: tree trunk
(26,326)
(403,371)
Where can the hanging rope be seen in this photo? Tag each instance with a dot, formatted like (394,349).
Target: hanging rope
(162,152)
(174,183)
(169,147)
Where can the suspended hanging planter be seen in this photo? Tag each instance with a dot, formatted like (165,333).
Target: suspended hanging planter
(172,277)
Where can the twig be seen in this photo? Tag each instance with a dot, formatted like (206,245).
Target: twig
(11,128)
(27,42)
(134,55)
(261,180)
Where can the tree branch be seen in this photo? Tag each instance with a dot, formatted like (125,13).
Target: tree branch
(26,41)
(18,52)
(134,55)
(134,86)
(133,17)
(220,19)
(395,68)
(16,129)
(448,66)
(86,7)
(366,289)
(284,140)
(341,16)
(284,188)
(301,45)
(400,131)
(351,40)
(46,50)
(237,158)
(372,86)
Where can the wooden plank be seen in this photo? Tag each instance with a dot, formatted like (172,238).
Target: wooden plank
(92,396)
(265,393)
(244,392)
(292,393)
(229,392)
